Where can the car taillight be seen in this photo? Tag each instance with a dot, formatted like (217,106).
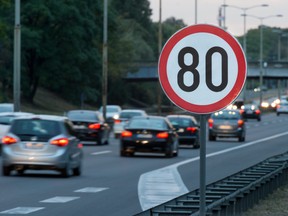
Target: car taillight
(80,145)
(257,112)
(241,111)
(191,129)
(95,126)
(117,121)
(240,123)
(163,135)
(7,140)
(126,134)
(210,123)
(60,142)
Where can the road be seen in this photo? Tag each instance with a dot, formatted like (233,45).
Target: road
(122,186)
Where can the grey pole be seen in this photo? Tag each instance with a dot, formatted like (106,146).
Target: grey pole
(203,164)
(196,11)
(159,91)
(17,58)
(105,60)
(261,62)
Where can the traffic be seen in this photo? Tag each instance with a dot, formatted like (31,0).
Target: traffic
(129,173)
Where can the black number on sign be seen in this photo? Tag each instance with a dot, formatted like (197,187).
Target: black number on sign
(193,69)
(188,68)
(224,67)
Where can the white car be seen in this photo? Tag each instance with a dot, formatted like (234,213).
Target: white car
(282,107)
(112,113)
(124,117)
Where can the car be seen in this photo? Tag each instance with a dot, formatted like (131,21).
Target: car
(152,134)
(6,119)
(42,142)
(226,124)
(90,126)
(251,111)
(6,107)
(112,113)
(188,129)
(282,107)
(124,117)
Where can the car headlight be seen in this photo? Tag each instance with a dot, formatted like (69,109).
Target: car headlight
(116,116)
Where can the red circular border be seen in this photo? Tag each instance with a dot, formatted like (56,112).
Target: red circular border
(162,69)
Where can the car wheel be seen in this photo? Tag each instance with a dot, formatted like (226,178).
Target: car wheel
(6,170)
(116,136)
(77,171)
(196,146)
(169,152)
(122,153)
(259,119)
(20,172)
(212,138)
(278,114)
(99,140)
(241,139)
(66,172)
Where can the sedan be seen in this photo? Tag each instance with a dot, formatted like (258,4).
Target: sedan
(187,129)
(90,126)
(42,142)
(282,107)
(227,124)
(124,117)
(149,134)
(251,111)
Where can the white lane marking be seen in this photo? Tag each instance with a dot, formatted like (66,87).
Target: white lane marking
(59,199)
(102,152)
(90,190)
(168,179)
(22,210)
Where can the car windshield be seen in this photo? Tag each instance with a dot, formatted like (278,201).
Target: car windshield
(82,116)
(182,122)
(148,123)
(227,114)
(129,115)
(6,120)
(35,127)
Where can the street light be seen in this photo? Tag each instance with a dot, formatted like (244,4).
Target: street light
(261,50)
(244,9)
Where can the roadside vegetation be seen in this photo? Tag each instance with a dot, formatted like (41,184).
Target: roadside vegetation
(61,49)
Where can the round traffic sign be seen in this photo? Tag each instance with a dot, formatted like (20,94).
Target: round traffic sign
(202,68)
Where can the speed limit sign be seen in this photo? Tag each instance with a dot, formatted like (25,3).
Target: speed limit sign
(202,68)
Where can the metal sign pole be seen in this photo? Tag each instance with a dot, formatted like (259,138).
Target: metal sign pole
(203,118)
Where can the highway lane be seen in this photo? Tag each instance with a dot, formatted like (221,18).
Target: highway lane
(109,184)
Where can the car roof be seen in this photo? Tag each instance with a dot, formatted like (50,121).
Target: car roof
(83,111)
(179,116)
(132,110)
(44,117)
(15,113)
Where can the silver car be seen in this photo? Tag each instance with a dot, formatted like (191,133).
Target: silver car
(41,142)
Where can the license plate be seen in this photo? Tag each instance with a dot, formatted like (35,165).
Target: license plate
(181,130)
(34,145)
(249,112)
(144,135)
(225,127)
(79,127)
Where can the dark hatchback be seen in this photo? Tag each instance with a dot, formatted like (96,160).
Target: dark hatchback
(251,111)
(154,134)
(227,124)
(187,129)
(90,126)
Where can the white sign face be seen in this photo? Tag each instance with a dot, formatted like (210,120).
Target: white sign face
(202,69)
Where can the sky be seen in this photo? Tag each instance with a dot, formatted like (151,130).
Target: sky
(208,10)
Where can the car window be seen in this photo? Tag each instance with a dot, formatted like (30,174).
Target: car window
(182,122)
(129,115)
(6,120)
(82,115)
(226,115)
(148,123)
(35,127)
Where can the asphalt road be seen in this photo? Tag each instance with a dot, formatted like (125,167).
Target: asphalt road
(122,186)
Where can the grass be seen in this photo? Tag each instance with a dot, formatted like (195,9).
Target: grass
(276,204)
(46,102)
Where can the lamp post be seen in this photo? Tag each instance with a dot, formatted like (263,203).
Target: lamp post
(17,58)
(261,51)
(244,9)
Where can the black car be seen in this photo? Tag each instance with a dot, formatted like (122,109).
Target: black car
(187,129)
(227,124)
(154,134)
(90,126)
(251,111)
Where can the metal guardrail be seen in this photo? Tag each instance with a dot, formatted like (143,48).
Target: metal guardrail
(230,196)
